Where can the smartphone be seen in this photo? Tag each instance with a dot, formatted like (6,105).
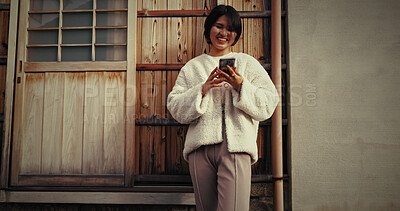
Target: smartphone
(224,62)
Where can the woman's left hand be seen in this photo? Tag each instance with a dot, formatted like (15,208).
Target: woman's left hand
(233,78)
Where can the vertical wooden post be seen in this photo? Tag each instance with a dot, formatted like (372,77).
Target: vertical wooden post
(8,107)
(130,94)
(276,67)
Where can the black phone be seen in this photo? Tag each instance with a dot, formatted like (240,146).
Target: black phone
(224,62)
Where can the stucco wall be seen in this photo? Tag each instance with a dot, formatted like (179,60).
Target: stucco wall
(344,65)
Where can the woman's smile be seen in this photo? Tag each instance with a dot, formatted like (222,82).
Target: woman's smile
(221,36)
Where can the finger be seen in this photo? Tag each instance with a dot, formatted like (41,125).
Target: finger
(213,74)
(231,71)
(236,72)
(218,80)
(224,74)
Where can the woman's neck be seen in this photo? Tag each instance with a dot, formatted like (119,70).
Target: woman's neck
(216,52)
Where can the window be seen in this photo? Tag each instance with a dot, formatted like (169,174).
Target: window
(77,30)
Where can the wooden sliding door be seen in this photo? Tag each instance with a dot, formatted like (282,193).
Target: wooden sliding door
(73,89)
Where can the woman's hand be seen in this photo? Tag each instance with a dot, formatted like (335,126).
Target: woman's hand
(233,78)
(214,80)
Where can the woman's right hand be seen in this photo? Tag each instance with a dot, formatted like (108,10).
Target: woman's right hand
(214,80)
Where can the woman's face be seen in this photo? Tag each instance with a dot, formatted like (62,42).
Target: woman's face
(221,37)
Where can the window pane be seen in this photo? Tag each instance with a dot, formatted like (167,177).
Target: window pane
(43,37)
(76,53)
(77,19)
(78,5)
(43,20)
(42,54)
(111,19)
(110,36)
(112,4)
(44,5)
(111,53)
(77,36)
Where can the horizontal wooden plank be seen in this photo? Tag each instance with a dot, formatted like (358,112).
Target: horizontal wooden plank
(68,11)
(43,29)
(111,10)
(97,197)
(76,27)
(201,13)
(111,27)
(77,11)
(44,45)
(4,7)
(75,45)
(74,66)
(167,179)
(173,13)
(43,12)
(143,67)
(185,179)
(153,121)
(71,180)
(92,66)
(110,44)
(155,67)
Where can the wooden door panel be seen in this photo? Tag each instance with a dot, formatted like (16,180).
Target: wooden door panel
(32,123)
(114,123)
(52,123)
(93,124)
(72,121)
(72,140)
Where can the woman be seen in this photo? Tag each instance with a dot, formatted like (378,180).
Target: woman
(223,110)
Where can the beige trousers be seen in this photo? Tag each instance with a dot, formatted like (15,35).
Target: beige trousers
(221,180)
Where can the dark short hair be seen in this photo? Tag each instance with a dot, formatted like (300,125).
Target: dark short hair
(235,24)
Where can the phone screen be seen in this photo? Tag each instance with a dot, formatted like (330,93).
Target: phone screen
(224,62)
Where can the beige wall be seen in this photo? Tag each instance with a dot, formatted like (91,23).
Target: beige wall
(345,104)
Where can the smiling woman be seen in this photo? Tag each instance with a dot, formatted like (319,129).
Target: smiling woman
(223,110)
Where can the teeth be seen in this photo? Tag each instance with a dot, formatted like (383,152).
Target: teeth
(222,39)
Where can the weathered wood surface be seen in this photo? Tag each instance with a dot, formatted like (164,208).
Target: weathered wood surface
(4,21)
(73,123)
(184,40)
(73,120)
(76,119)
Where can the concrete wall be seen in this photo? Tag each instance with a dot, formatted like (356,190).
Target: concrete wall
(345,104)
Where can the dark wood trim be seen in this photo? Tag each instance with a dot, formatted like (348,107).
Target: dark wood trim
(44,12)
(154,121)
(200,13)
(137,188)
(4,7)
(163,67)
(3,61)
(96,197)
(173,13)
(185,179)
(163,179)
(155,67)
(44,29)
(71,180)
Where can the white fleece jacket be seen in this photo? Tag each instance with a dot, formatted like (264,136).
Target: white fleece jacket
(243,111)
